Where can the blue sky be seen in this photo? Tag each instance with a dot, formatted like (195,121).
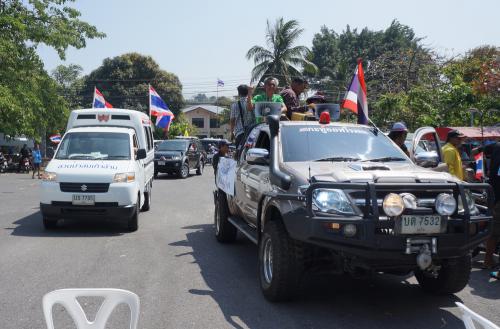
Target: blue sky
(203,40)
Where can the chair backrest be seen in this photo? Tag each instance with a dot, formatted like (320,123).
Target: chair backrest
(469,317)
(112,298)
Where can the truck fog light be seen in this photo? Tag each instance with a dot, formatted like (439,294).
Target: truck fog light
(393,205)
(445,204)
(349,230)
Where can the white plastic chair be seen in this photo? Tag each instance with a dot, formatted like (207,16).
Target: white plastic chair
(468,315)
(112,298)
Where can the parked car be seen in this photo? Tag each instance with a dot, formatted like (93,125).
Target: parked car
(179,156)
(343,198)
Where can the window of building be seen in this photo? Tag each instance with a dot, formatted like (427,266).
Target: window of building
(214,123)
(198,122)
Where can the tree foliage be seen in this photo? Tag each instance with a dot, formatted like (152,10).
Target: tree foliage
(29,100)
(124,81)
(281,58)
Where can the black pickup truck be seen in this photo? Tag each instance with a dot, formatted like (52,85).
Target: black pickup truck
(343,198)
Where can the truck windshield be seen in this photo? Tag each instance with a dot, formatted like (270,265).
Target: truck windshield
(333,143)
(94,145)
(173,145)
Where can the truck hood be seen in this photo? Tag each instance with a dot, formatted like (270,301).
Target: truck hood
(88,171)
(388,172)
(167,154)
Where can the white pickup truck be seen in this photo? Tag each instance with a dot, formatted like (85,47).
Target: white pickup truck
(103,168)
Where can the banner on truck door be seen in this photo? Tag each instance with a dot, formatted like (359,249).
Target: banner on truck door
(226,173)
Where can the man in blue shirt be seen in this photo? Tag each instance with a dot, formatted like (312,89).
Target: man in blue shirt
(37,160)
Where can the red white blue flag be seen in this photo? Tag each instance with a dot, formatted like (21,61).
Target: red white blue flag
(479,166)
(160,110)
(56,138)
(356,97)
(99,101)
(220,83)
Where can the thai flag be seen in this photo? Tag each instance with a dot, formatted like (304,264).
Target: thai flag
(99,101)
(356,97)
(160,110)
(479,165)
(220,83)
(56,138)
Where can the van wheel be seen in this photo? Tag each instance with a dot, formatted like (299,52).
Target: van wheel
(199,170)
(184,172)
(49,223)
(132,223)
(147,201)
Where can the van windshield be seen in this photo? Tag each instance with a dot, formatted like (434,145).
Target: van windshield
(94,146)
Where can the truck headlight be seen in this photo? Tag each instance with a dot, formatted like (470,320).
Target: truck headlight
(445,204)
(332,200)
(393,205)
(125,177)
(470,201)
(176,157)
(49,176)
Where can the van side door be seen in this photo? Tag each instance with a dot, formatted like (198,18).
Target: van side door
(138,165)
(148,163)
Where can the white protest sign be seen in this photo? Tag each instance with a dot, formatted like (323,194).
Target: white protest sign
(226,174)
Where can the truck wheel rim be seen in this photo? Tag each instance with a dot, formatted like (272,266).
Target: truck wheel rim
(184,170)
(268,261)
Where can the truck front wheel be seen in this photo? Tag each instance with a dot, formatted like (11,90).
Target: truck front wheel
(451,278)
(279,263)
(133,222)
(224,230)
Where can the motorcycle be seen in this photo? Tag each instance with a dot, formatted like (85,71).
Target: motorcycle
(25,165)
(3,164)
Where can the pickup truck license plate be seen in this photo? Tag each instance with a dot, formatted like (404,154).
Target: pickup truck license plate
(83,199)
(161,163)
(416,224)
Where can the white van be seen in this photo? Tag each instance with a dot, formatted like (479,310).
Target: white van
(103,168)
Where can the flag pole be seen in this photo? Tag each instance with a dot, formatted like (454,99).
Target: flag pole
(93,98)
(217,103)
(149,99)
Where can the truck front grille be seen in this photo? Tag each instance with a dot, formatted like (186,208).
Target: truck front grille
(84,187)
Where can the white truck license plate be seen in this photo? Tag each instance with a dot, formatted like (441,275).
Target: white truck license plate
(416,224)
(161,163)
(84,199)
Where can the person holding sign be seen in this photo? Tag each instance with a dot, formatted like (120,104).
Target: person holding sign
(270,95)
(223,150)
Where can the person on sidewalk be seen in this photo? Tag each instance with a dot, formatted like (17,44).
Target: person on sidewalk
(37,160)
(492,151)
(223,150)
(452,155)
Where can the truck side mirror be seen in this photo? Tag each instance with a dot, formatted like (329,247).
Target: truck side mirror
(257,156)
(141,154)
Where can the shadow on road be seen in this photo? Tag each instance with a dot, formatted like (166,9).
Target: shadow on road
(231,273)
(31,226)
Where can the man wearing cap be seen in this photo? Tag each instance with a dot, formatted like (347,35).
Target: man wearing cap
(291,96)
(452,155)
(398,135)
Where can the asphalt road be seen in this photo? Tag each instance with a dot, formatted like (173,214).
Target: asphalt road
(185,279)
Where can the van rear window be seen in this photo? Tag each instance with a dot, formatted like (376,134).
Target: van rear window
(85,116)
(120,117)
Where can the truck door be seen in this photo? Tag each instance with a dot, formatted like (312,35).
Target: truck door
(255,179)
(425,148)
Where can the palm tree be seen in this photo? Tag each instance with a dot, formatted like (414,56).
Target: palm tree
(281,59)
